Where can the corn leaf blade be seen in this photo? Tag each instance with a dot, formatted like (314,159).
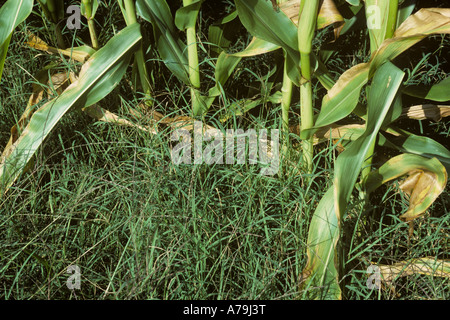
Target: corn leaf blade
(322,266)
(382,93)
(321,270)
(438,92)
(98,77)
(186,17)
(12,13)
(411,143)
(171,49)
(262,21)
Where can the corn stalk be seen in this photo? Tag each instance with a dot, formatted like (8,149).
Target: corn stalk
(54,11)
(88,9)
(187,18)
(181,58)
(129,12)
(306,29)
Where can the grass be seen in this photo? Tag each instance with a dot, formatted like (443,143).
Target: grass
(141,227)
(110,200)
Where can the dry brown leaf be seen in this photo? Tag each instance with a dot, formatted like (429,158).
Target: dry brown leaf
(37,43)
(104,115)
(328,14)
(426,266)
(417,186)
(426,111)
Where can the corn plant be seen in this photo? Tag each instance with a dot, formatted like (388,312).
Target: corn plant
(181,58)
(295,42)
(129,12)
(383,108)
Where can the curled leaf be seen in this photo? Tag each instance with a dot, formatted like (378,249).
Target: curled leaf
(328,14)
(101,114)
(80,54)
(425,180)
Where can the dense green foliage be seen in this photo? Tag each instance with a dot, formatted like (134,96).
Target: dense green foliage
(108,197)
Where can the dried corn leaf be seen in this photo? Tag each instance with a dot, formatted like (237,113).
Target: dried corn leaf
(426,111)
(425,180)
(80,54)
(57,82)
(426,266)
(101,114)
(328,14)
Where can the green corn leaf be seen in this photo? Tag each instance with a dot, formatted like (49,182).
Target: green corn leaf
(259,18)
(353,2)
(124,11)
(438,92)
(220,33)
(238,108)
(394,112)
(170,47)
(262,21)
(225,65)
(186,16)
(385,85)
(407,142)
(3,52)
(89,8)
(381,22)
(12,13)
(343,97)
(98,77)
(405,10)
(307,25)
(227,62)
(322,267)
